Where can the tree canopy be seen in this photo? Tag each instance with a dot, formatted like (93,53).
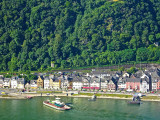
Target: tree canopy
(77,33)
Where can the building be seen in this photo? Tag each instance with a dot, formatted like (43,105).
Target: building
(86,82)
(33,84)
(46,83)
(56,84)
(111,85)
(133,84)
(20,83)
(51,83)
(40,83)
(95,83)
(1,82)
(6,83)
(104,84)
(122,84)
(77,83)
(14,82)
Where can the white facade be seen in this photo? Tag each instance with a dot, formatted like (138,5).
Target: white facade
(77,85)
(144,86)
(122,86)
(95,84)
(6,83)
(46,83)
(154,86)
(20,86)
(33,85)
(104,85)
(13,83)
(64,84)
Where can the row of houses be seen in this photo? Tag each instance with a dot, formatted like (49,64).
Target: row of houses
(13,82)
(144,81)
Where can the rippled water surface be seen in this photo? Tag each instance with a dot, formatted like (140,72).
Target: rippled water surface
(101,109)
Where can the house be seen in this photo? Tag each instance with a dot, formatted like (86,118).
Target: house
(95,83)
(56,84)
(33,84)
(104,84)
(158,85)
(144,86)
(121,84)
(154,85)
(145,83)
(64,84)
(70,82)
(28,86)
(40,82)
(14,82)
(155,77)
(51,83)
(111,85)
(86,82)
(20,83)
(77,83)
(6,83)
(46,82)
(1,82)
(133,84)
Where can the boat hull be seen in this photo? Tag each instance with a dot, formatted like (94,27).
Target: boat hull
(134,102)
(56,107)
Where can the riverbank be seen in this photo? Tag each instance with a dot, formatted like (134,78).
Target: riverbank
(86,95)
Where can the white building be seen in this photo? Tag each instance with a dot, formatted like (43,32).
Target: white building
(144,86)
(77,84)
(104,84)
(122,84)
(46,83)
(13,82)
(33,84)
(6,83)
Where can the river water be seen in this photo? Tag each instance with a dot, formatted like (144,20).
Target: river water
(101,109)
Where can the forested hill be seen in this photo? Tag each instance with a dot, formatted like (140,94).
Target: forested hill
(76,33)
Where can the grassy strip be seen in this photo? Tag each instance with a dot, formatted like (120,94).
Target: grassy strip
(49,91)
(108,95)
(151,97)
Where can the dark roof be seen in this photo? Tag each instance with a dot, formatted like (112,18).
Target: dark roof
(98,72)
(145,79)
(6,79)
(33,81)
(56,79)
(138,74)
(1,78)
(46,78)
(133,80)
(77,79)
(97,80)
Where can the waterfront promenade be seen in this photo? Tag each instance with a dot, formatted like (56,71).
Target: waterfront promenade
(108,95)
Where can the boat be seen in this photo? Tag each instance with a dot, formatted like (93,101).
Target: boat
(136,99)
(93,98)
(134,102)
(57,104)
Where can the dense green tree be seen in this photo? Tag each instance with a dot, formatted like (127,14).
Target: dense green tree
(76,33)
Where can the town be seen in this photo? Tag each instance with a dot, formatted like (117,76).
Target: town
(147,80)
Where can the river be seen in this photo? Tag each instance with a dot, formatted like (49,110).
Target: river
(101,109)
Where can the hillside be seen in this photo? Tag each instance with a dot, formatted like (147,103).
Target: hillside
(77,33)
